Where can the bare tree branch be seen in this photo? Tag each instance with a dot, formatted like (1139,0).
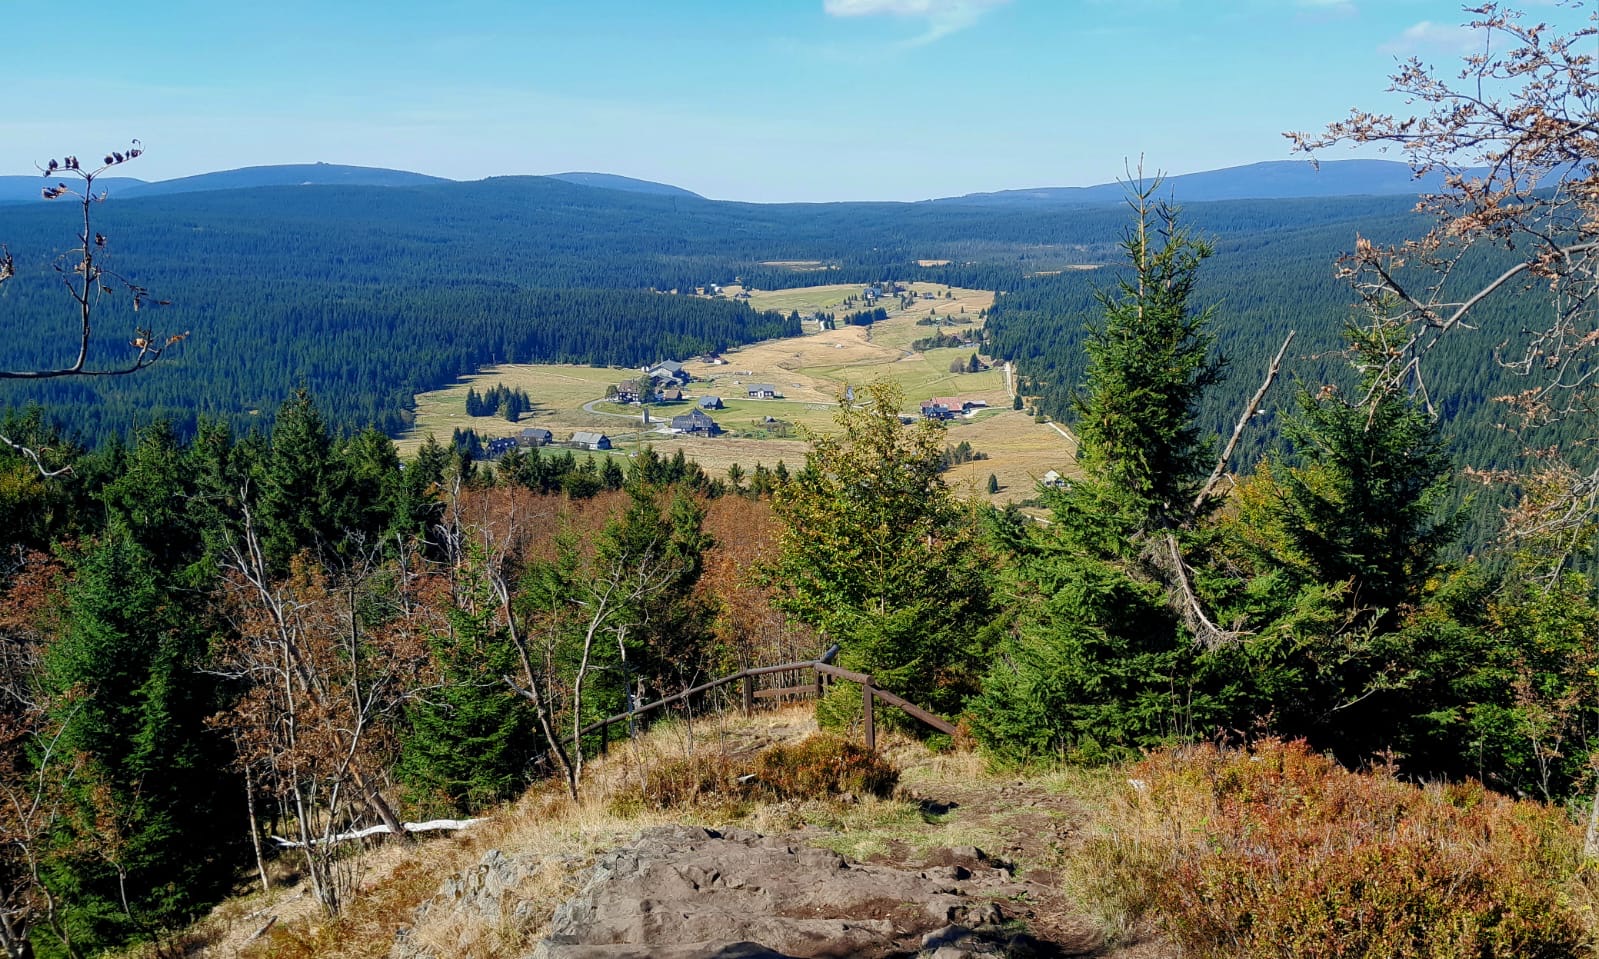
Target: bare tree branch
(1238,431)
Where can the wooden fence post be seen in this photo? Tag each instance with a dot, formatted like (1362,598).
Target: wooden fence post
(818,674)
(749,695)
(866,706)
(605,738)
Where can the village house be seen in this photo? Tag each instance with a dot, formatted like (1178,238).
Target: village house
(695,423)
(591,441)
(762,391)
(933,410)
(534,436)
(497,448)
(710,403)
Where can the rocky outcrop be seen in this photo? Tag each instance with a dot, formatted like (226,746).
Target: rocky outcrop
(483,896)
(677,892)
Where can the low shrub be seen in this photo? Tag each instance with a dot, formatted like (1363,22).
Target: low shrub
(1281,853)
(707,777)
(822,767)
(819,767)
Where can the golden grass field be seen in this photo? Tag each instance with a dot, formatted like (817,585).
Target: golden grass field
(810,371)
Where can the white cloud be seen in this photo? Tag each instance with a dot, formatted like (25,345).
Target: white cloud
(942,17)
(1434,37)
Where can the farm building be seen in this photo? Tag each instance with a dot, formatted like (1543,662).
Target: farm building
(593,441)
(762,391)
(932,410)
(958,403)
(497,448)
(669,370)
(533,436)
(696,423)
(628,391)
(710,402)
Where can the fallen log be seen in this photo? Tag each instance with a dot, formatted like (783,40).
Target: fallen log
(431,825)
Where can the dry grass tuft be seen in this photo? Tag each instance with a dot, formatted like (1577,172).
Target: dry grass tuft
(542,825)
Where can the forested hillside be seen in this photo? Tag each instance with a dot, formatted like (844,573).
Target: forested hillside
(1261,287)
(370,294)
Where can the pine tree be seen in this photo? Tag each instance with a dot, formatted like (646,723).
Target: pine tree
(1365,504)
(1099,662)
(150,498)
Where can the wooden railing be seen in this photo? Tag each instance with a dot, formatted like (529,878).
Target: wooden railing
(825,675)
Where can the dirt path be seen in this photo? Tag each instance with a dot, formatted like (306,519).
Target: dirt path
(961,862)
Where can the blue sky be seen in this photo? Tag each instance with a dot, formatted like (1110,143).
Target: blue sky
(765,100)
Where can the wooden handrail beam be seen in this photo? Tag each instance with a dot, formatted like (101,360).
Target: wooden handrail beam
(784,668)
(750,694)
(915,712)
(844,674)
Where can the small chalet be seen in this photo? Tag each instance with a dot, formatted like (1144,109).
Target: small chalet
(499,447)
(591,441)
(710,403)
(933,410)
(696,423)
(668,394)
(533,436)
(762,391)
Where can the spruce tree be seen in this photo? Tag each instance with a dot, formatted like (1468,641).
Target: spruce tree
(1099,661)
(301,483)
(1149,363)
(470,742)
(140,850)
(876,553)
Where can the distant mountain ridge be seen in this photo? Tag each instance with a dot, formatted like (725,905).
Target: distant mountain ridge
(1269,180)
(22,189)
(292,174)
(1275,179)
(627,184)
(18,189)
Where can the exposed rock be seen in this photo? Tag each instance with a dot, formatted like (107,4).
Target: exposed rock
(689,893)
(480,893)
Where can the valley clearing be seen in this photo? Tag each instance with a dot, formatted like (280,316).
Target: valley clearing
(810,373)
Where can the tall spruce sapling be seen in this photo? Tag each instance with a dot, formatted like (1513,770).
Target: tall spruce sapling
(1149,362)
(875,552)
(1109,649)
